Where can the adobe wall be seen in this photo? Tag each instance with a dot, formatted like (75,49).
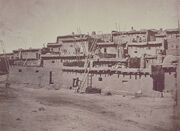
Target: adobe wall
(115,84)
(170,82)
(40,77)
(52,63)
(177,108)
(123,84)
(140,51)
(37,76)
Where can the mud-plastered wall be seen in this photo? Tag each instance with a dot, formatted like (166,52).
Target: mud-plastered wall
(177,108)
(36,76)
(118,84)
(170,82)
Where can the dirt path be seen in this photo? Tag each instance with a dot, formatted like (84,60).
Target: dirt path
(28,109)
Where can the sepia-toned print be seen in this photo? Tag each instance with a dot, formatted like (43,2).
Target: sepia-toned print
(81,65)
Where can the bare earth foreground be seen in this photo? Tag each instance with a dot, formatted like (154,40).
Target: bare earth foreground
(28,109)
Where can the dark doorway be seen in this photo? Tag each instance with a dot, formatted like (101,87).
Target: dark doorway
(158,78)
(50,78)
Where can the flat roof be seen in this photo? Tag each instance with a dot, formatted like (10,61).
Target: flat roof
(54,45)
(172,31)
(146,43)
(71,36)
(129,32)
(26,50)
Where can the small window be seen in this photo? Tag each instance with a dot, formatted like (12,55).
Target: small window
(20,70)
(37,71)
(135,51)
(100,78)
(105,50)
(53,61)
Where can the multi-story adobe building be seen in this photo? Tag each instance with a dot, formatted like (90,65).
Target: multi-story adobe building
(67,49)
(27,57)
(54,48)
(167,34)
(171,37)
(73,45)
(133,36)
(172,33)
(68,55)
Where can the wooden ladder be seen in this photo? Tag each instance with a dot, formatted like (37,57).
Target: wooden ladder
(87,77)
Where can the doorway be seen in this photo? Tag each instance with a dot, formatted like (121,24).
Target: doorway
(50,78)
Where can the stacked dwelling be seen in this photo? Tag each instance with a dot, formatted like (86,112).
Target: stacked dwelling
(121,62)
(27,57)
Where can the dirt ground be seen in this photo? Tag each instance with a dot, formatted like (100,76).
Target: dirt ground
(28,109)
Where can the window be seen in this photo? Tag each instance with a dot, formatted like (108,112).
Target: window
(20,70)
(133,40)
(37,71)
(135,51)
(100,78)
(105,50)
(53,61)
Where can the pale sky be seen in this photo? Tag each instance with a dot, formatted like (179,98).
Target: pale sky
(31,23)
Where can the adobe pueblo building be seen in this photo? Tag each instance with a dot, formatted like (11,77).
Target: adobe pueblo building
(127,62)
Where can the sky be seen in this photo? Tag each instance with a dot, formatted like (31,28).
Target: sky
(34,23)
